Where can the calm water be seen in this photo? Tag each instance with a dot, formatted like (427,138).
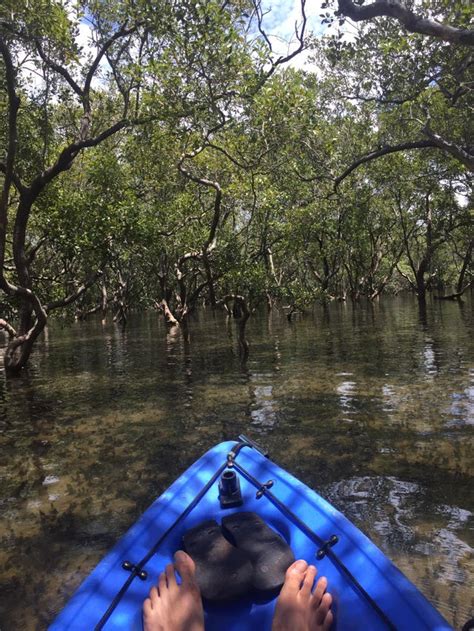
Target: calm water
(369,405)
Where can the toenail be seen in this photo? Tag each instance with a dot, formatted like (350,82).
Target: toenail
(179,554)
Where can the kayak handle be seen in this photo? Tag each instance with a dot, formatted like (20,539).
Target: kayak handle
(245,439)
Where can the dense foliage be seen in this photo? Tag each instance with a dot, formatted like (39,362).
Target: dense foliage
(162,155)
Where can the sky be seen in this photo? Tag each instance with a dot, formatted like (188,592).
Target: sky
(280,18)
(279,23)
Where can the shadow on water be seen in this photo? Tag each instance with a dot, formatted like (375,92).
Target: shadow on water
(369,404)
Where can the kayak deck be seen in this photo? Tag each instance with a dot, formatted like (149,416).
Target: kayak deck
(368,591)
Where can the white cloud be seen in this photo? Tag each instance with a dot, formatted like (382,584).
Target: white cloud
(280,19)
(84,39)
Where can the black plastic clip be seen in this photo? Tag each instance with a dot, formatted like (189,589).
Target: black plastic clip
(321,553)
(130,567)
(261,491)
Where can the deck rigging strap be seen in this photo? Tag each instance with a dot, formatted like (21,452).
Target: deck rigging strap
(282,507)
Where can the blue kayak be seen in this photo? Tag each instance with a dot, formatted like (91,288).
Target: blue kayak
(368,591)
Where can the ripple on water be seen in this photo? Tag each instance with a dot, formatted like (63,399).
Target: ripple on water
(423,548)
(50,479)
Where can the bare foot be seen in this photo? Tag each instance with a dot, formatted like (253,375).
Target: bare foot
(297,608)
(173,607)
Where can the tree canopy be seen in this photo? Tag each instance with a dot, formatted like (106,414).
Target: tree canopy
(162,155)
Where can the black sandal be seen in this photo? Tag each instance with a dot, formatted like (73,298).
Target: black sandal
(270,554)
(223,572)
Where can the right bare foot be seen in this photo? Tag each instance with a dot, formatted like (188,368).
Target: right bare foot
(298,608)
(173,607)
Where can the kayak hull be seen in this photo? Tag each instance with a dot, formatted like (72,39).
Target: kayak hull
(368,591)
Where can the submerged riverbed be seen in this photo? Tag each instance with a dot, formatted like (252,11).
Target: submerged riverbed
(368,404)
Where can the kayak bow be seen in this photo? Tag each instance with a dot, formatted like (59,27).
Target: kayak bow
(368,591)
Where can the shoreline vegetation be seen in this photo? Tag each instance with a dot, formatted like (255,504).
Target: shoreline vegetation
(160,154)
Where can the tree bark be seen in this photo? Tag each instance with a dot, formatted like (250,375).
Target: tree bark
(240,307)
(33,315)
(170,320)
(410,20)
(461,285)
(8,328)
(435,141)
(104,302)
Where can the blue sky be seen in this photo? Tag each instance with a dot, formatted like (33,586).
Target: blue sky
(283,13)
(279,24)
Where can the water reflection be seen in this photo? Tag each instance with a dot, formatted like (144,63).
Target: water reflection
(429,363)
(347,399)
(461,409)
(362,403)
(263,412)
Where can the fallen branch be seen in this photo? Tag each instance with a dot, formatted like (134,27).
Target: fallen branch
(456,296)
(8,328)
(170,320)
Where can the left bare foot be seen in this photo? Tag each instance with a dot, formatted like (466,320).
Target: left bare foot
(173,607)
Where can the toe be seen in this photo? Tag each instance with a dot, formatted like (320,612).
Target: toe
(170,575)
(185,566)
(154,596)
(162,583)
(323,609)
(328,621)
(319,590)
(294,576)
(308,581)
(147,607)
